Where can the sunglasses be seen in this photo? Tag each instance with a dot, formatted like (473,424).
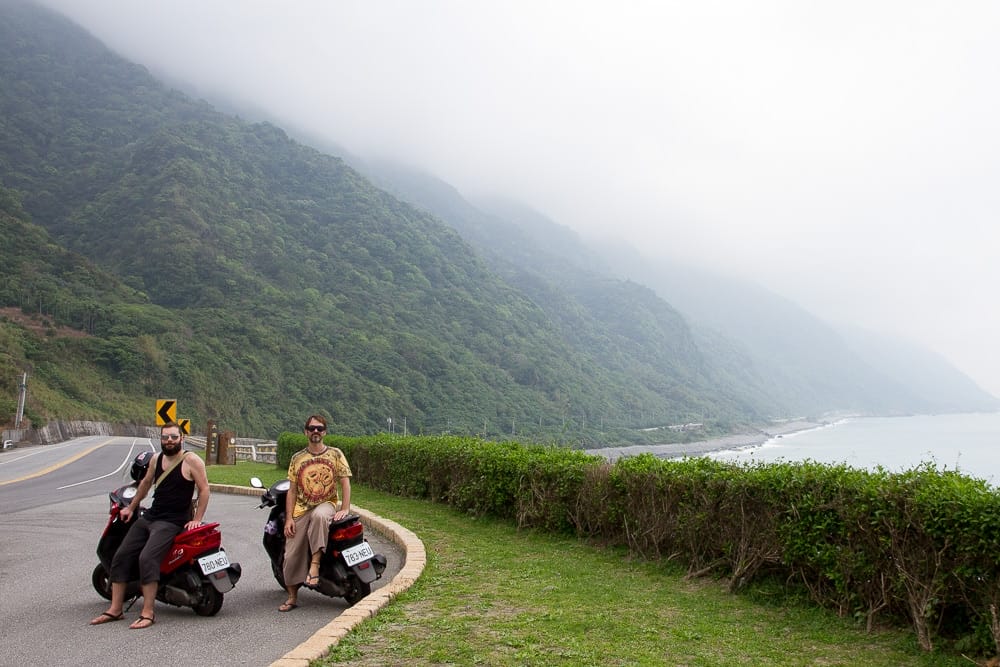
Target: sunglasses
(170,437)
(315,428)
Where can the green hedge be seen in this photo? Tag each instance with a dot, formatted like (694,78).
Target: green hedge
(920,547)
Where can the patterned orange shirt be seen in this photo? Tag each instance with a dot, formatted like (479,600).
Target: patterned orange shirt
(317,478)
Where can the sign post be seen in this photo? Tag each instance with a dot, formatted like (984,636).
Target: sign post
(211,443)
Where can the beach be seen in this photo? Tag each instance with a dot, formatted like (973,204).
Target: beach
(701,447)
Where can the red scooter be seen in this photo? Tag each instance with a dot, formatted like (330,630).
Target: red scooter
(195,573)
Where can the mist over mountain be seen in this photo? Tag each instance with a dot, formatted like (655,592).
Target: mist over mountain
(256,279)
(787,360)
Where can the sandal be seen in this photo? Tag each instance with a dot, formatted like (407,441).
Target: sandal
(288,606)
(107,618)
(312,580)
(142,623)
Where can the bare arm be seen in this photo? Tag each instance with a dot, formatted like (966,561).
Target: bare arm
(196,468)
(290,509)
(345,499)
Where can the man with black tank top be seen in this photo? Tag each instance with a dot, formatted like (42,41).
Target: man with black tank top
(175,475)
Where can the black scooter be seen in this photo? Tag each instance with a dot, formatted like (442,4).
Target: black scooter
(349,564)
(195,573)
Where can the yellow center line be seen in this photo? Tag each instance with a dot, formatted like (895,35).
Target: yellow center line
(56,466)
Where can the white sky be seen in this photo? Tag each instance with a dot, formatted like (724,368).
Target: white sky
(845,154)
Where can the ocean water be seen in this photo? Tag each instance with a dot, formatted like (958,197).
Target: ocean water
(968,443)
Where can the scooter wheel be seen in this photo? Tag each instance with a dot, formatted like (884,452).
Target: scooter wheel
(101,581)
(211,602)
(358,589)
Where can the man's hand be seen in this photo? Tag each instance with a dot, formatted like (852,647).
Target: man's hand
(125,514)
(191,525)
(290,528)
(340,514)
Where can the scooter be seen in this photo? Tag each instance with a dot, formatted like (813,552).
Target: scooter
(349,564)
(195,573)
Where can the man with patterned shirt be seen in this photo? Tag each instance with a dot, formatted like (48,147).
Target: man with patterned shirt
(315,473)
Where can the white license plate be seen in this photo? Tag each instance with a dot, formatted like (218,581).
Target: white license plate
(359,553)
(214,562)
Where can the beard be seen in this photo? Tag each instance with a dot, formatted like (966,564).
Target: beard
(170,448)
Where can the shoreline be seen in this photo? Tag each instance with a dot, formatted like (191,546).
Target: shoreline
(736,441)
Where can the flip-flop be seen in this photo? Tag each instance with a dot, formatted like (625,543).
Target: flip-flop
(312,580)
(288,606)
(107,618)
(138,623)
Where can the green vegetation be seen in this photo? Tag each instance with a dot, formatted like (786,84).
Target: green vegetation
(495,595)
(917,548)
(197,256)
(552,599)
(240,474)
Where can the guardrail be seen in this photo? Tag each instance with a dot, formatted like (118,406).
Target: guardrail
(195,441)
(260,452)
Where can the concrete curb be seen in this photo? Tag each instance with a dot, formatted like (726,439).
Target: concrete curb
(329,635)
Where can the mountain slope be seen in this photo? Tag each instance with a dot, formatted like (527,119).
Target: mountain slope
(269,280)
(550,264)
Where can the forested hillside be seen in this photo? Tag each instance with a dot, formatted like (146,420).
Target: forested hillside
(256,279)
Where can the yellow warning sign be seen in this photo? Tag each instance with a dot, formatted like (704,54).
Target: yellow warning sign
(166,411)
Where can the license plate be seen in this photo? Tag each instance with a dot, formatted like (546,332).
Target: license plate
(358,553)
(214,562)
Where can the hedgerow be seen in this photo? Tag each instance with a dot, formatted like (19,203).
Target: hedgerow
(921,547)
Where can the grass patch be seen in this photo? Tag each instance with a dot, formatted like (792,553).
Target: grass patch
(241,473)
(493,595)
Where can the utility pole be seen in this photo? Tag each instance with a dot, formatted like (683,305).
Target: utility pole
(22,397)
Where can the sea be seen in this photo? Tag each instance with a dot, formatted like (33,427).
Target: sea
(967,443)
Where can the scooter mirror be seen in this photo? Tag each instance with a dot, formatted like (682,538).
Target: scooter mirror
(256,483)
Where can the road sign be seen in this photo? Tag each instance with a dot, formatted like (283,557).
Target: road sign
(185,425)
(166,411)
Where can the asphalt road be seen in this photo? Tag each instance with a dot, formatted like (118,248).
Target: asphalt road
(50,525)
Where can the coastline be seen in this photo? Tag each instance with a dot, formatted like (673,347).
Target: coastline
(736,441)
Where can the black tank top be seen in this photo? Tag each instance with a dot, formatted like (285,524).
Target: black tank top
(172,498)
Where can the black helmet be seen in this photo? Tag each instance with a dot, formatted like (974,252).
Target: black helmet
(140,465)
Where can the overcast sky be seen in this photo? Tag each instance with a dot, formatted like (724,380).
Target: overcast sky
(845,154)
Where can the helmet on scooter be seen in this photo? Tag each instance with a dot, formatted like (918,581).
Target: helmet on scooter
(140,465)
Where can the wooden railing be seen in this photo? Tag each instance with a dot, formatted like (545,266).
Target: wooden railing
(265,452)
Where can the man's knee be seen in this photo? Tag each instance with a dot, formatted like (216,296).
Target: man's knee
(324,511)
